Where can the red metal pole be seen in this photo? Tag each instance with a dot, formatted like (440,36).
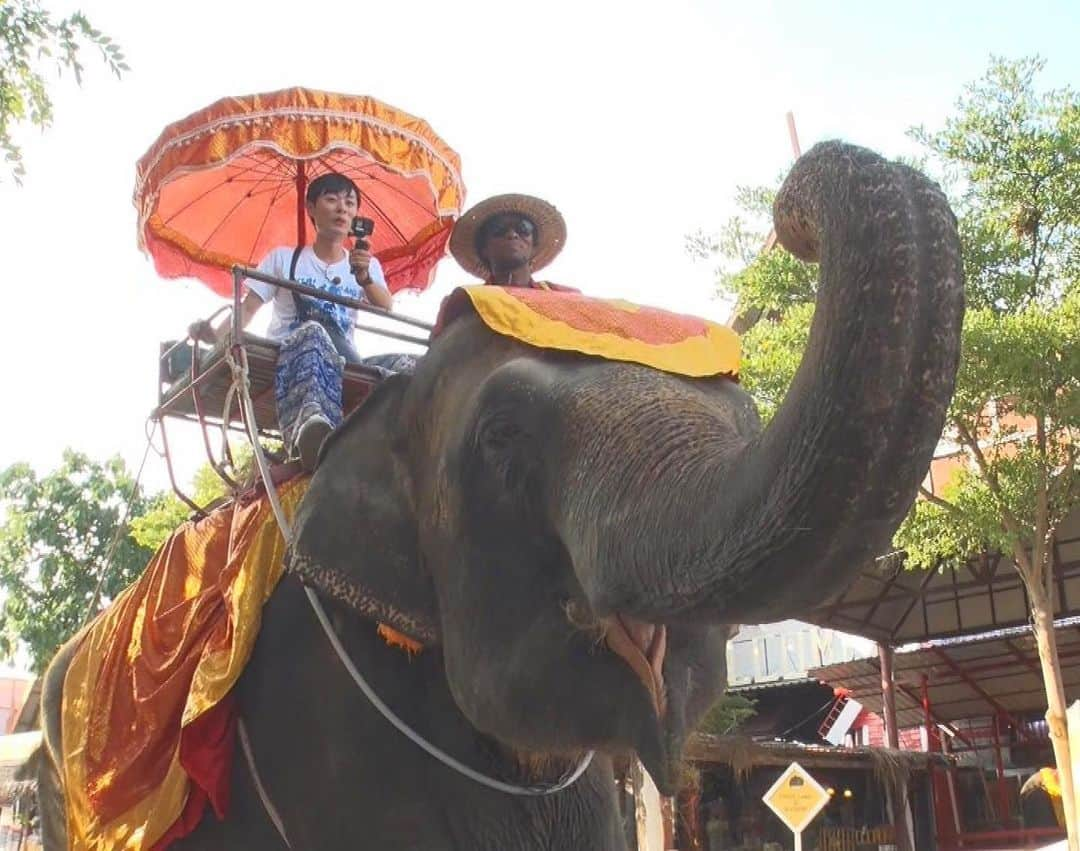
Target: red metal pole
(914,698)
(301,207)
(939,782)
(933,743)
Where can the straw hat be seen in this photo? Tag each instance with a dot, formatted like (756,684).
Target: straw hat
(550,230)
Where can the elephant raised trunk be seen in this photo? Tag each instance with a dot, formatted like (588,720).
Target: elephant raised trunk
(701,522)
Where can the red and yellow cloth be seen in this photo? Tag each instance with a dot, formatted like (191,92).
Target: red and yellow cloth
(606,328)
(148,718)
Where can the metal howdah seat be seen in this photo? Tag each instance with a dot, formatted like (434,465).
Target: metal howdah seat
(195,381)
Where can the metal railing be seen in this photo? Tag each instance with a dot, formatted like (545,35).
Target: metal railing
(200,369)
(242,273)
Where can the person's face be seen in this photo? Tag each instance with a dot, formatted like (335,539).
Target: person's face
(333,212)
(509,241)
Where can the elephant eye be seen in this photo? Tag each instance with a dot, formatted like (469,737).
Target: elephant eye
(498,434)
(506,453)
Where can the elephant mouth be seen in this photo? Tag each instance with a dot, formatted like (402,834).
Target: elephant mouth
(642,646)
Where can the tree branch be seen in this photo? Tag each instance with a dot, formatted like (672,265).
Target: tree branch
(972,443)
(1039,548)
(930,496)
(1008,519)
(1062,487)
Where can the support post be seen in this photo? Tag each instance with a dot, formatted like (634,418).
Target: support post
(898,797)
(944,814)
(888,695)
(1004,816)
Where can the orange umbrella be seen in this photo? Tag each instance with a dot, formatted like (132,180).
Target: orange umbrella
(226,185)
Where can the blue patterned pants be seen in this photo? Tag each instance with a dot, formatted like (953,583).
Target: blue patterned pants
(307,380)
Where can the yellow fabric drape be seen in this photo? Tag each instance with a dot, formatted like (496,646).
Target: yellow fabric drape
(167,650)
(606,328)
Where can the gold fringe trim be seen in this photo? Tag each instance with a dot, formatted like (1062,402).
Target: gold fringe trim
(396,639)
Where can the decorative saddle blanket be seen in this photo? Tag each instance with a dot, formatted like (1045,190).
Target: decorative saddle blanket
(605,328)
(149,722)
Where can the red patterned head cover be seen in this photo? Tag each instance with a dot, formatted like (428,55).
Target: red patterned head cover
(607,328)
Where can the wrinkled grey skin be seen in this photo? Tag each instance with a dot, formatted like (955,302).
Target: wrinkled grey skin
(502,501)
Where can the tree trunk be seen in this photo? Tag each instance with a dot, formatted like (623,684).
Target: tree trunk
(1042,611)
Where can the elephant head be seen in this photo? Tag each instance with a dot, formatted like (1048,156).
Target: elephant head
(573,535)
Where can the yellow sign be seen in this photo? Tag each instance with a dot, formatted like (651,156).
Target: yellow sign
(796,798)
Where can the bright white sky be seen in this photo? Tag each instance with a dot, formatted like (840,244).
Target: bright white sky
(637,120)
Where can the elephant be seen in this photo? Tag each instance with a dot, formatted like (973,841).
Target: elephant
(571,539)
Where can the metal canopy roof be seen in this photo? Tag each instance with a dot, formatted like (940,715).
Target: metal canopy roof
(966,677)
(895,606)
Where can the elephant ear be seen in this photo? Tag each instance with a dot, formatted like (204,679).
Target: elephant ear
(355,533)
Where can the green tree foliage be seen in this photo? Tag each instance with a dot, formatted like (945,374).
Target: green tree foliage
(1009,158)
(728,714)
(32,40)
(167,511)
(61,551)
(1015,414)
(1015,152)
(772,352)
(761,280)
(1016,155)
(765,283)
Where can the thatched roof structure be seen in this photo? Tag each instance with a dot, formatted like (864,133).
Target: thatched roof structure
(893,768)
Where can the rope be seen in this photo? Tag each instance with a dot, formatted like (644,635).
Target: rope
(809,717)
(420,741)
(121,525)
(229,394)
(149,430)
(268,805)
(241,383)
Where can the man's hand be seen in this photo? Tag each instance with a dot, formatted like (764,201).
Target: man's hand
(360,263)
(203,332)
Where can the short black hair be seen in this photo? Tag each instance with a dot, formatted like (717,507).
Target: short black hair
(329,184)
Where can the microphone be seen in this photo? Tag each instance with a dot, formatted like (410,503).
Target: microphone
(336,280)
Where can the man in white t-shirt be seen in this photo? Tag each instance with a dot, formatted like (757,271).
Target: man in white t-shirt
(334,278)
(315,335)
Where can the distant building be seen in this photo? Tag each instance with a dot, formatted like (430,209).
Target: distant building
(14,688)
(787,650)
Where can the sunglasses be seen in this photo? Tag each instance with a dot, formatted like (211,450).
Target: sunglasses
(501,225)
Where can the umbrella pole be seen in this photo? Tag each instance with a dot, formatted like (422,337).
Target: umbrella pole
(301,210)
